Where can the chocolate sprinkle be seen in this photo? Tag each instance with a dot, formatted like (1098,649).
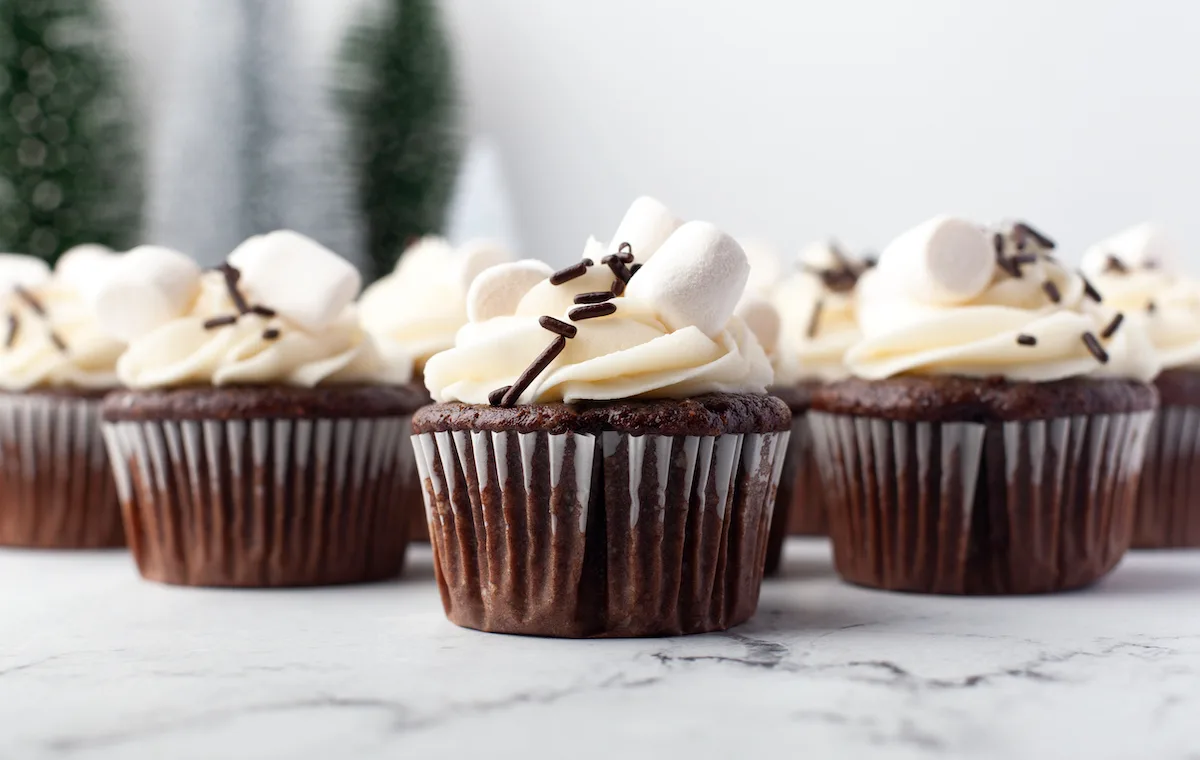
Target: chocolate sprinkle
(495,396)
(262,311)
(580,313)
(634,269)
(215,322)
(57,340)
(998,244)
(1114,264)
(270,333)
(1090,291)
(31,300)
(626,249)
(14,325)
(814,320)
(1052,291)
(1094,346)
(618,287)
(1024,230)
(570,273)
(1026,340)
(618,268)
(596,296)
(1112,326)
(558,326)
(533,370)
(1151,307)
(232,275)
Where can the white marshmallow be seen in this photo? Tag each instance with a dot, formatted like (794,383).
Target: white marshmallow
(646,226)
(145,289)
(477,255)
(85,268)
(763,320)
(1145,246)
(695,278)
(299,278)
(943,261)
(25,271)
(497,291)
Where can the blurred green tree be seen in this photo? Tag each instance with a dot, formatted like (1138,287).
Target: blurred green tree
(70,171)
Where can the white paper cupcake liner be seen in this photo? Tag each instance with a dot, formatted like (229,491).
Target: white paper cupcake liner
(610,535)
(967,508)
(56,488)
(264,502)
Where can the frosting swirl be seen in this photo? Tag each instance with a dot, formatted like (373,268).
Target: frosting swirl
(671,334)
(421,305)
(1133,272)
(251,324)
(1032,319)
(52,337)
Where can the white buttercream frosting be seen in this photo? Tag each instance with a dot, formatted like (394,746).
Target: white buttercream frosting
(421,305)
(673,334)
(1133,270)
(323,344)
(51,336)
(1013,328)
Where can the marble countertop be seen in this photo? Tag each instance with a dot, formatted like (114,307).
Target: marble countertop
(95,663)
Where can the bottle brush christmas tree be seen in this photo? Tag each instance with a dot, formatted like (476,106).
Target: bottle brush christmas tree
(397,85)
(69,169)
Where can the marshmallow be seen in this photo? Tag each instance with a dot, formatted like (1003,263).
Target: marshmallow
(85,268)
(143,290)
(476,256)
(646,226)
(695,278)
(25,271)
(943,261)
(763,320)
(497,291)
(1145,246)
(299,278)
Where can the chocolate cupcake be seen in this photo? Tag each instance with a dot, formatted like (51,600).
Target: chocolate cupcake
(56,488)
(603,457)
(415,311)
(992,439)
(1135,272)
(815,307)
(261,440)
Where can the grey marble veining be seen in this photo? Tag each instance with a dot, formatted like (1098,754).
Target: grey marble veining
(95,663)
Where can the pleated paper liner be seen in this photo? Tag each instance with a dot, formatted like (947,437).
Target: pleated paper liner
(56,487)
(1168,502)
(599,535)
(800,505)
(264,502)
(969,508)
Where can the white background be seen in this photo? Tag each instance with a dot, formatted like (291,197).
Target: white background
(795,120)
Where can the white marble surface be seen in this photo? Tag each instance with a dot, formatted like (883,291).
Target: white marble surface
(95,663)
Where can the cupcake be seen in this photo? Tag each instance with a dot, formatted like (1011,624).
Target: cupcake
(603,457)
(992,436)
(416,311)
(815,307)
(261,438)
(1134,272)
(56,488)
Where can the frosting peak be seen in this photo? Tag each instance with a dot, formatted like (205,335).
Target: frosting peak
(921,311)
(654,322)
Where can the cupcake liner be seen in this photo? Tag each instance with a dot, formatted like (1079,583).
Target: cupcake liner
(264,502)
(969,508)
(1168,501)
(599,535)
(800,507)
(56,487)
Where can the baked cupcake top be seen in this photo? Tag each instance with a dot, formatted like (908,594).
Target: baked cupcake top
(817,314)
(1135,272)
(421,305)
(951,298)
(280,311)
(650,316)
(52,337)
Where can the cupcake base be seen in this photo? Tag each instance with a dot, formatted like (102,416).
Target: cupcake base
(800,505)
(263,487)
(56,486)
(984,495)
(1168,501)
(556,520)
